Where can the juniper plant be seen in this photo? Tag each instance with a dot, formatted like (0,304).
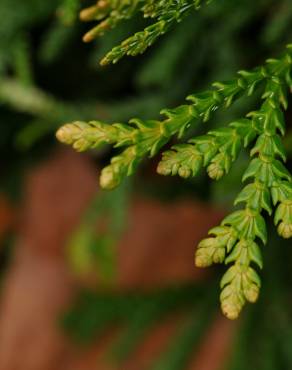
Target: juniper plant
(110,12)
(268,188)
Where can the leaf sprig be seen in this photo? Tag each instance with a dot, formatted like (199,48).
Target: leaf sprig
(236,240)
(269,188)
(110,12)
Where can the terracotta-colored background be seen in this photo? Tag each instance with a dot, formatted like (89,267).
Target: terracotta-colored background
(156,249)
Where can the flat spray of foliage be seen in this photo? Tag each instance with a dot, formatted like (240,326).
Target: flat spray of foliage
(268,183)
(110,12)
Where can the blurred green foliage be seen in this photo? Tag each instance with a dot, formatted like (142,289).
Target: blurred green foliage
(47,77)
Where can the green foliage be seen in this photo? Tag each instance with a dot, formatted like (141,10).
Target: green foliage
(236,241)
(268,188)
(139,313)
(48,77)
(91,249)
(110,12)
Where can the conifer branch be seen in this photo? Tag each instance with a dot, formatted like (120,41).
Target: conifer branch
(110,12)
(147,137)
(236,241)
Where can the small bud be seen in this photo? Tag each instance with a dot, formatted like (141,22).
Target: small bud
(81,145)
(232,301)
(89,36)
(97,11)
(219,255)
(251,292)
(96,31)
(109,179)
(215,171)
(284,214)
(209,252)
(88,14)
(184,172)
(68,133)
(231,309)
(163,169)
(285,230)
(202,260)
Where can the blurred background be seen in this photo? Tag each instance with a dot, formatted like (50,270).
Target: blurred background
(93,280)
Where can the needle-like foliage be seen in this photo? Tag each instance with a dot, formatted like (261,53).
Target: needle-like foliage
(108,13)
(268,183)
